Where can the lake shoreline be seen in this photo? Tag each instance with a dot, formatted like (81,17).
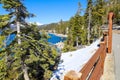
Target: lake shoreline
(60,35)
(59,44)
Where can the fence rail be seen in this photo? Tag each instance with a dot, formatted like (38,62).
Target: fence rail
(94,67)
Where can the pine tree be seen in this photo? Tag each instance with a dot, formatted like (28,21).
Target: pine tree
(95,17)
(77,31)
(29,56)
(19,12)
(98,19)
(88,16)
(115,7)
(3,22)
(4,19)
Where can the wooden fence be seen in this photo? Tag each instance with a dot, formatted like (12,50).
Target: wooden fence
(94,68)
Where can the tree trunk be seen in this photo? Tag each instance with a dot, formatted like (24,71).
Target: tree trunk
(18,32)
(26,77)
(89,21)
(18,26)
(24,69)
(77,41)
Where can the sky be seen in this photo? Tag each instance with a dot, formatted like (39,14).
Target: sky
(51,11)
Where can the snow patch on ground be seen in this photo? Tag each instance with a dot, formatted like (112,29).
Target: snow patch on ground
(74,60)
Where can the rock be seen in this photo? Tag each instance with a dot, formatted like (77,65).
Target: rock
(60,45)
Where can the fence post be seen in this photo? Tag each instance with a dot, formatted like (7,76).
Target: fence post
(102,55)
(72,75)
(110,17)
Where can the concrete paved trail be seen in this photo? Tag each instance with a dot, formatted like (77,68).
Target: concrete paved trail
(116,52)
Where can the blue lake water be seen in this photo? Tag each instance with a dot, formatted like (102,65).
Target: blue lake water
(10,38)
(53,39)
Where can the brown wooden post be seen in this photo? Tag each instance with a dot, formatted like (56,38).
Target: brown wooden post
(72,75)
(102,55)
(110,17)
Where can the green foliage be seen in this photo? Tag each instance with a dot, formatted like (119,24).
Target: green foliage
(44,35)
(1,41)
(98,11)
(76,33)
(116,10)
(77,29)
(111,5)
(56,27)
(4,19)
(68,48)
(33,57)
(10,4)
(97,8)
(33,52)
(17,10)
(3,69)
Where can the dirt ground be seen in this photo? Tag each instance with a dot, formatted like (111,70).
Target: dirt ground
(116,31)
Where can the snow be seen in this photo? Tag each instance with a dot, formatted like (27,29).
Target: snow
(37,23)
(74,60)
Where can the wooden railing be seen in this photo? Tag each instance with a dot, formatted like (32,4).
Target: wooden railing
(94,68)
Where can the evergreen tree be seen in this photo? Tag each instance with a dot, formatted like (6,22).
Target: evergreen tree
(98,19)
(77,31)
(88,16)
(115,7)
(30,58)
(19,13)
(95,17)
(4,19)
(59,27)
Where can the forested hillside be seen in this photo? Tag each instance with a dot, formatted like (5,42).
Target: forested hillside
(84,29)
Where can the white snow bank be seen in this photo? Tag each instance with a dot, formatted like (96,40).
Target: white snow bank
(74,60)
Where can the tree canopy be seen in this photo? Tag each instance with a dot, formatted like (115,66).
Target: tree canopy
(33,58)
